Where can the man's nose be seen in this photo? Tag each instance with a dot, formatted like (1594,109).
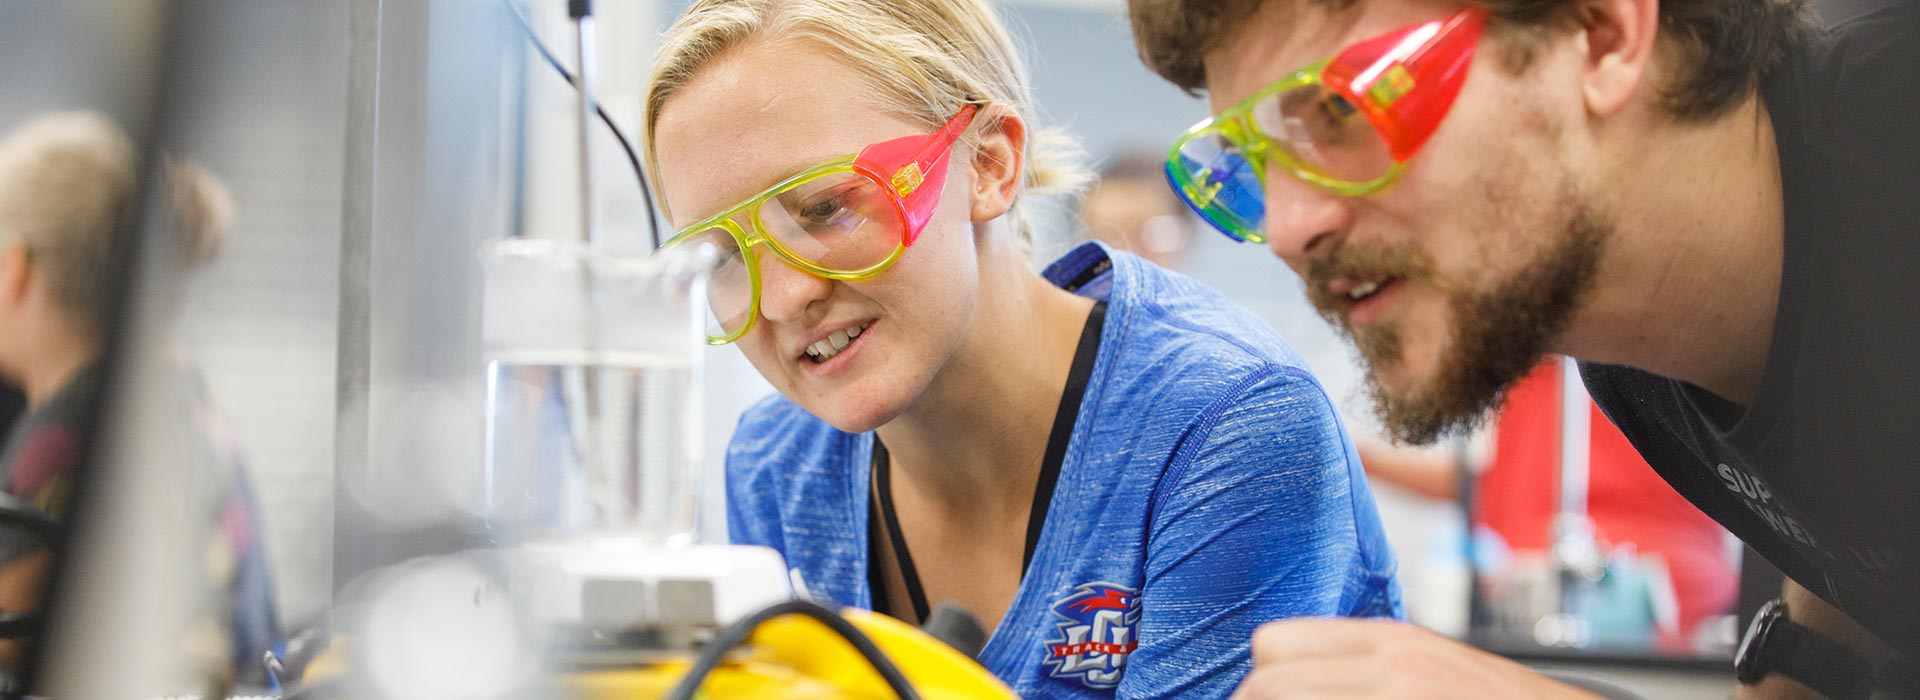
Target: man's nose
(1302,220)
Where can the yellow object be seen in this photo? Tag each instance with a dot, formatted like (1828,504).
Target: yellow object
(797,658)
(327,665)
(731,681)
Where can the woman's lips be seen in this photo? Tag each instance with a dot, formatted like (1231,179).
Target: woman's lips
(827,356)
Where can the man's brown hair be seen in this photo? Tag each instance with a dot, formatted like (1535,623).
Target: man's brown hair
(1720,48)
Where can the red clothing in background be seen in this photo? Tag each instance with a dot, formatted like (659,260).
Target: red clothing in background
(1626,499)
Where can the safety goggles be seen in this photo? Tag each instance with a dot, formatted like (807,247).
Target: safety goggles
(1347,124)
(847,219)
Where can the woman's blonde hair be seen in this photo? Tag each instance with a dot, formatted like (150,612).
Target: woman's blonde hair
(923,58)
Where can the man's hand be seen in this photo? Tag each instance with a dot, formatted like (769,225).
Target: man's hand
(1341,659)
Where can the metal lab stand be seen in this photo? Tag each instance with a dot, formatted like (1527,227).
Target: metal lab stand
(1577,560)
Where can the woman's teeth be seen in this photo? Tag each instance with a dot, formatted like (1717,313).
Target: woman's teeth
(833,344)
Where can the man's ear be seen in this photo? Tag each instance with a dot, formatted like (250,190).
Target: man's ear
(1619,40)
(16,271)
(999,162)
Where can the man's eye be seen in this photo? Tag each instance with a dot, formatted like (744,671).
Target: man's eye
(1336,121)
(1336,108)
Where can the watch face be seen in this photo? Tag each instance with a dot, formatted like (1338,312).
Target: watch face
(1750,664)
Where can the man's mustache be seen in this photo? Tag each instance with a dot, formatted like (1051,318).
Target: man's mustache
(1360,264)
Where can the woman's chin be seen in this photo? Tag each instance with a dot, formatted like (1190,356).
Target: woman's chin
(851,414)
(853,423)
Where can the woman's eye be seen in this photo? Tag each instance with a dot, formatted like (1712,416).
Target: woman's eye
(827,213)
(822,210)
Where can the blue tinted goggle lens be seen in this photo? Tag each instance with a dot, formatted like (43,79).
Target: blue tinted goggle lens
(1214,177)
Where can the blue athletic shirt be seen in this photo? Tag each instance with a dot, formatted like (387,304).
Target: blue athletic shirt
(1208,488)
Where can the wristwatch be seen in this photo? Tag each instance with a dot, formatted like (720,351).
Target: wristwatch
(1775,644)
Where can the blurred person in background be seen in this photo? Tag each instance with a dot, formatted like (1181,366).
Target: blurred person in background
(1633,512)
(1117,470)
(1710,203)
(66,181)
(1130,208)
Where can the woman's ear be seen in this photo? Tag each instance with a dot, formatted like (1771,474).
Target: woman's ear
(999,162)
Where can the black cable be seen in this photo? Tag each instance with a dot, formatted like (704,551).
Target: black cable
(734,634)
(646,191)
(19,625)
(18,514)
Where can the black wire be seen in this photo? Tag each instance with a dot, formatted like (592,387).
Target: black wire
(646,192)
(18,514)
(734,634)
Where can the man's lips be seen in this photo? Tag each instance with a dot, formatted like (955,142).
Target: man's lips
(1366,304)
(1340,296)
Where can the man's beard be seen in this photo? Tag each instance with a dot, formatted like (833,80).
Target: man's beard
(1498,334)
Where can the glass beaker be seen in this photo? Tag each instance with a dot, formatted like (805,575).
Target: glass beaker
(593,392)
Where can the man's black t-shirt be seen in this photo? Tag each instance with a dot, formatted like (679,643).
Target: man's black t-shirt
(1821,473)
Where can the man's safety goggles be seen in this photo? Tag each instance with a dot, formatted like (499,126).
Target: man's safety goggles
(1347,124)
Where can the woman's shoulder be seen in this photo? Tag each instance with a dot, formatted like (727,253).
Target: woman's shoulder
(791,482)
(1152,306)
(1181,342)
(1173,304)
(776,436)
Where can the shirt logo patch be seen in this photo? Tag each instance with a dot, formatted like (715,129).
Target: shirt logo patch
(1097,632)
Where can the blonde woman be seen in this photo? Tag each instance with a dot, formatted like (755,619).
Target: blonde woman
(1118,470)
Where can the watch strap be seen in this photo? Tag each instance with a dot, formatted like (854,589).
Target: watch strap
(1792,650)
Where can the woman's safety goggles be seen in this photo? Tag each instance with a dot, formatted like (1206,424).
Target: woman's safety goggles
(1347,124)
(847,219)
